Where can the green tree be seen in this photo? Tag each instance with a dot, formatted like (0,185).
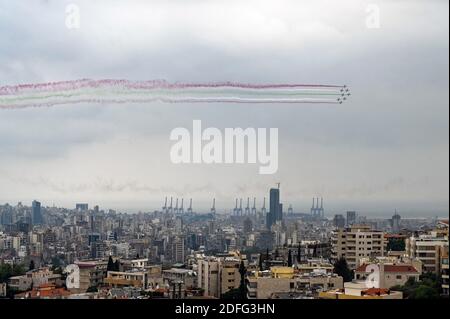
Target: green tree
(117,265)
(241,292)
(341,268)
(7,271)
(396,244)
(92,289)
(299,254)
(428,287)
(32,266)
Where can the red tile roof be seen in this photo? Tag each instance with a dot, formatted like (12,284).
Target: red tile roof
(44,291)
(392,268)
(376,292)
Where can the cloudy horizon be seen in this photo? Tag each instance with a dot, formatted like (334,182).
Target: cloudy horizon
(387,148)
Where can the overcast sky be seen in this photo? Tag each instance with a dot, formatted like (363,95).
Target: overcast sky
(386,149)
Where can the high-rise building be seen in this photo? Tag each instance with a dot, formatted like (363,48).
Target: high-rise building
(357,242)
(217,275)
(339,221)
(177,250)
(428,248)
(36,213)
(248,226)
(351,218)
(81,206)
(276,209)
(6,215)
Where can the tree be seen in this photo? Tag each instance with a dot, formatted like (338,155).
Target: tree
(428,287)
(117,265)
(289,261)
(241,292)
(92,289)
(7,271)
(56,262)
(341,268)
(31,267)
(396,244)
(299,254)
(111,265)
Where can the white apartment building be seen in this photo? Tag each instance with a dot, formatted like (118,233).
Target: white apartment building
(357,242)
(428,248)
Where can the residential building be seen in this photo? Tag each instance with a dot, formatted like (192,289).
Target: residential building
(357,242)
(359,290)
(91,273)
(218,275)
(281,280)
(444,270)
(390,275)
(44,291)
(428,249)
(138,279)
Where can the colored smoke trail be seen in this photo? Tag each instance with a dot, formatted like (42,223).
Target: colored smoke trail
(124,91)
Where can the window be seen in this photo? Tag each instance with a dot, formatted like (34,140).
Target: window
(399,277)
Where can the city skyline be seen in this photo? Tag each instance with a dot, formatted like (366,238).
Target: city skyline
(227,207)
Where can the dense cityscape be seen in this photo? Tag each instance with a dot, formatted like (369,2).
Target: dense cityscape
(266,252)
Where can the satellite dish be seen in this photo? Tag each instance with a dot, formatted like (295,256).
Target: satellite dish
(73,276)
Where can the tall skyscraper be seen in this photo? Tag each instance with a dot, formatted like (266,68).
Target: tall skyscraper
(36,213)
(339,221)
(81,206)
(276,209)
